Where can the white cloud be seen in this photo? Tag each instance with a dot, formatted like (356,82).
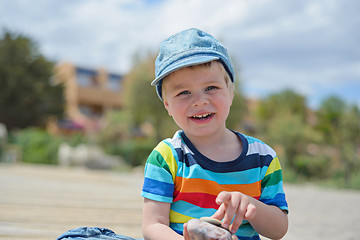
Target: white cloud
(278,43)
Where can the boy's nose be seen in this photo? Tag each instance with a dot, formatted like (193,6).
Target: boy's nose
(200,99)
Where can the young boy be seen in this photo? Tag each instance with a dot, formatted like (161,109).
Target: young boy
(207,169)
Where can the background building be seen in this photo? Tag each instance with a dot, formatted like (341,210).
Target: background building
(89,95)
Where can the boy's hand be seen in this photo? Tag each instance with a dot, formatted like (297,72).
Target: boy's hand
(185,233)
(234,204)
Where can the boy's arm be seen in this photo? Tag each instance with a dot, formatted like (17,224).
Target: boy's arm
(156,221)
(269,221)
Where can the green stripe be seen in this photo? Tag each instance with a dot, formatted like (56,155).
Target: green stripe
(272,179)
(155,158)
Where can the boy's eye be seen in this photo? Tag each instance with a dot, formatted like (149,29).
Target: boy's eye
(183,93)
(210,88)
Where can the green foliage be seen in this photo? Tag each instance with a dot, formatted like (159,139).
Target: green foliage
(282,120)
(27,97)
(142,102)
(117,138)
(329,114)
(237,111)
(284,102)
(340,125)
(37,146)
(134,152)
(117,128)
(312,167)
(293,134)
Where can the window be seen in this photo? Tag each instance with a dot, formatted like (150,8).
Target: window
(114,82)
(86,78)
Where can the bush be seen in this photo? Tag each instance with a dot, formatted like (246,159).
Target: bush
(314,167)
(37,145)
(134,152)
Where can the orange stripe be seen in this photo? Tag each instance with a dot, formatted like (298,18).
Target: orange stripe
(205,186)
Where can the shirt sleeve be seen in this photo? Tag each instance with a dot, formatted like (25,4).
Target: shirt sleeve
(272,192)
(159,174)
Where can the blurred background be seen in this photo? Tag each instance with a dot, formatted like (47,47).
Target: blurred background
(75,80)
(75,93)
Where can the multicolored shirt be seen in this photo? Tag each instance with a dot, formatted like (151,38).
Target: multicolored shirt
(177,173)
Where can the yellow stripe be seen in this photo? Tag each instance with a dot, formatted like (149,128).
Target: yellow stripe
(274,166)
(176,217)
(166,153)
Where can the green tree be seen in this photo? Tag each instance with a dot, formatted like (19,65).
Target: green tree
(27,96)
(284,102)
(340,125)
(329,115)
(237,110)
(350,141)
(282,118)
(142,101)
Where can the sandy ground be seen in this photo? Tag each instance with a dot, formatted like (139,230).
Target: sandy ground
(42,202)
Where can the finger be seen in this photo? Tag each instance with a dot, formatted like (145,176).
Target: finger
(234,237)
(238,219)
(251,212)
(185,233)
(231,209)
(223,197)
(240,212)
(220,213)
(248,215)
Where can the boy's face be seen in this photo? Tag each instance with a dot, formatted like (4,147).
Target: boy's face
(198,99)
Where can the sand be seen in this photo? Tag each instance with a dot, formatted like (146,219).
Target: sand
(42,202)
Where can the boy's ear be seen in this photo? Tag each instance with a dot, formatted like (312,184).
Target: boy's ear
(232,93)
(166,104)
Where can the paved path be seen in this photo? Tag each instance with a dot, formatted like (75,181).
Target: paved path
(41,202)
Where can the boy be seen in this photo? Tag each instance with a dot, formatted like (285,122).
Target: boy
(207,169)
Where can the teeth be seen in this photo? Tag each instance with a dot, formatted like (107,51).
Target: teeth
(202,116)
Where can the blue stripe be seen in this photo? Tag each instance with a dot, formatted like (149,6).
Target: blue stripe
(245,177)
(174,227)
(158,173)
(191,210)
(248,238)
(279,200)
(270,191)
(158,188)
(156,197)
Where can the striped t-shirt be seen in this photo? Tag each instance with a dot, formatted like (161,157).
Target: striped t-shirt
(177,173)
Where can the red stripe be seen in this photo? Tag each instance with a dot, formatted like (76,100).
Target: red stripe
(202,200)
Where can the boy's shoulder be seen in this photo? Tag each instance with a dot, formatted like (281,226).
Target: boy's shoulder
(256,145)
(251,139)
(175,141)
(170,146)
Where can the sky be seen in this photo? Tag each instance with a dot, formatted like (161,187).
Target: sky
(309,46)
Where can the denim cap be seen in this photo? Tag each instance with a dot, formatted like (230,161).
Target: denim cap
(188,48)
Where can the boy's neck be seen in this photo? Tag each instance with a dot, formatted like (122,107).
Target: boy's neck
(223,147)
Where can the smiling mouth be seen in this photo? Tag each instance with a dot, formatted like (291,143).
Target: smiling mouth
(203,116)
